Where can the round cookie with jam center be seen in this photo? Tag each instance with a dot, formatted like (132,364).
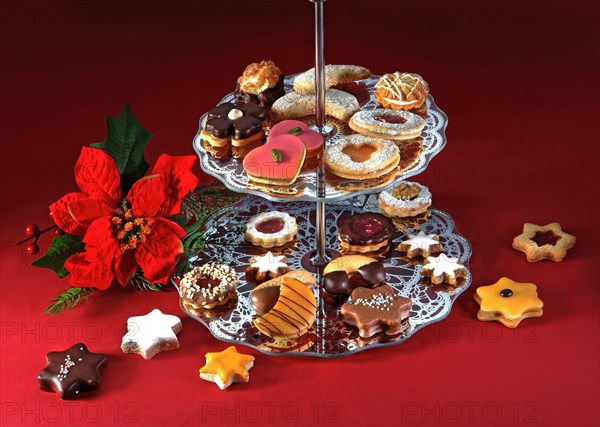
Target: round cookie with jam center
(366,232)
(270,229)
(208,286)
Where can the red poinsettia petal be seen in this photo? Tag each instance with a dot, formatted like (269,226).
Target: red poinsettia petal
(86,210)
(63,218)
(158,255)
(85,273)
(146,196)
(97,175)
(125,267)
(178,180)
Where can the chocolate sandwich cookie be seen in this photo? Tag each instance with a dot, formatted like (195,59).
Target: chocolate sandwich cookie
(72,371)
(376,310)
(366,232)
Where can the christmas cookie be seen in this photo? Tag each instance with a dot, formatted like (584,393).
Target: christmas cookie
(313,140)
(292,314)
(148,335)
(266,267)
(70,372)
(349,272)
(361,157)
(443,269)
(261,83)
(208,286)
(401,91)
(227,367)
(387,124)
(293,105)
(265,295)
(544,242)
(334,75)
(269,229)
(508,302)
(420,244)
(277,163)
(366,232)
(406,199)
(376,310)
(233,129)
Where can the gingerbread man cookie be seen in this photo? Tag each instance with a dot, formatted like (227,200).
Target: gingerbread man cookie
(508,302)
(227,367)
(543,242)
(150,334)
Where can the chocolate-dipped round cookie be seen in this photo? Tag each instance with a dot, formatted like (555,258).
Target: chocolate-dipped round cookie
(366,232)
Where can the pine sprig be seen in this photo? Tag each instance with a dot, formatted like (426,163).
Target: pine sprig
(68,299)
(142,284)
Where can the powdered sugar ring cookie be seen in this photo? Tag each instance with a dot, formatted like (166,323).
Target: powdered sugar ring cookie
(334,74)
(208,286)
(388,124)
(401,91)
(361,157)
(339,104)
(269,229)
(405,200)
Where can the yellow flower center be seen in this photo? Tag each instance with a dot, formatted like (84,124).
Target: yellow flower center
(131,231)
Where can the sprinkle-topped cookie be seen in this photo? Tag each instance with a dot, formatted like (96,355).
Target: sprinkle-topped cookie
(148,335)
(420,244)
(508,302)
(443,269)
(540,242)
(72,371)
(226,367)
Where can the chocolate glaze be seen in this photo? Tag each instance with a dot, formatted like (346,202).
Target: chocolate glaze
(263,299)
(337,283)
(264,99)
(250,109)
(221,110)
(367,276)
(246,126)
(373,274)
(220,127)
(365,229)
(83,375)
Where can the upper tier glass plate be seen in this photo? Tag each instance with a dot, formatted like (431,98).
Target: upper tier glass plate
(415,157)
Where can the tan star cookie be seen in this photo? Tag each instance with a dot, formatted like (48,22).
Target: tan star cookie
(540,242)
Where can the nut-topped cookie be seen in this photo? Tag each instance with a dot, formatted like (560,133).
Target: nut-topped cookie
(208,286)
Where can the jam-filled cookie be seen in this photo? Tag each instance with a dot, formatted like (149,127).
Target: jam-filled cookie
(508,302)
(232,129)
(406,199)
(313,140)
(261,83)
(266,267)
(335,74)
(269,229)
(293,312)
(442,269)
(387,124)
(401,91)
(361,157)
(366,232)
(376,310)
(544,242)
(420,244)
(349,272)
(208,286)
(339,104)
(278,162)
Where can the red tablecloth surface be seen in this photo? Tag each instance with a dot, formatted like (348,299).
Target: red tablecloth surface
(519,82)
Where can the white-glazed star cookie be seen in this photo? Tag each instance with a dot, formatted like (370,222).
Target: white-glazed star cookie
(266,267)
(420,244)
(147,335)
(443,269)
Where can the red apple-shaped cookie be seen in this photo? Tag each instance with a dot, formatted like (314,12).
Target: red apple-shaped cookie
(313,141)
(277,162)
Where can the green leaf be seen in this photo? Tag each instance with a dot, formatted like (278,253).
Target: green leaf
(61,249)
(68,299)
(142,284)
(126,140)
(100,145)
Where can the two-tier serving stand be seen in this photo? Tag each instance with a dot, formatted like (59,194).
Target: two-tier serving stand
(317,202)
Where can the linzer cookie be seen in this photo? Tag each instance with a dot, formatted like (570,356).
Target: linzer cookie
(406,199)
(401,91)
(269,229)
(443,269)
(387,124)
(208,286)
(376,310)
(227,367)
(266,267)
(335,74)
(508,302)
(366,232)
(361,157)
(293,105)
(293,313)
(150,334)
(349,272)
(276,163)
(420,244)
(233,129)
(72,371)
(261,83)
(540,242)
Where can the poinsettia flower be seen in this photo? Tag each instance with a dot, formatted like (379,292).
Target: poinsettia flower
(121,236)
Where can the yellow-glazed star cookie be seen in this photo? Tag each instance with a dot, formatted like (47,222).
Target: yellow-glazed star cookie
(226,367)
(508,302)
(543,242)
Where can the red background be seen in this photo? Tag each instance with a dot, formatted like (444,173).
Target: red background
(518,81)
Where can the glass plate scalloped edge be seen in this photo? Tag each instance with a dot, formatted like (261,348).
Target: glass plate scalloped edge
(454,244)
(232,175)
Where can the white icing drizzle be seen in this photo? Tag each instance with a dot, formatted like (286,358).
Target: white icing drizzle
(443,264)
(422,199)
(385,150)
(401,86)
(268,263)
(289,224)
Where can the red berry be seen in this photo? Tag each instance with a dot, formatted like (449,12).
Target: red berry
(58,232)
(51,214)
(32,229)
(32,249)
